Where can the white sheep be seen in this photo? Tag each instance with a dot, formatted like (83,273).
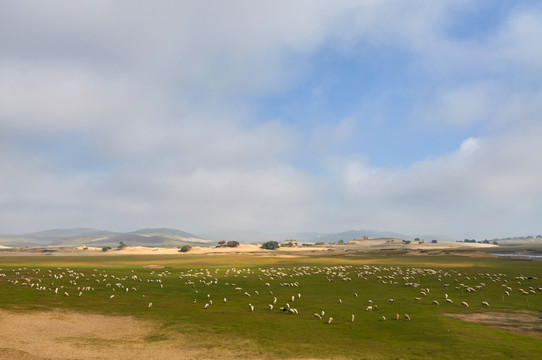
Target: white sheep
(330,320)
(206,306)
(316,315)
(270,306)
(353,317)
(383,318)
(111,297)
(251,307)
(150,305)
(485,303)
(435,302)
(407,317)
(369,308)
(464,303)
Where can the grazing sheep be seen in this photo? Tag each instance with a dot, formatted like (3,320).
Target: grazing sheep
(323,312)
(407,317)
(369,308)
(111,297)
(449,301)
(375,308)
(224,299)
(485,303)
(417,299)
(435,302)
(340,301)
(356,294)
(396,316)
(206,306)
(353,317)
(251,307)
(275,300)
(464,303)
(383,318)
(150,305)
(330,320)
(316,315)
(270,306)
(391,301)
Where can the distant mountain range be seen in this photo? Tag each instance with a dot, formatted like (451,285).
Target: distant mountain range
(99,238)
(161,237)
(255,236)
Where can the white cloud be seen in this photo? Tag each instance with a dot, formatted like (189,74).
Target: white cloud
(163,96)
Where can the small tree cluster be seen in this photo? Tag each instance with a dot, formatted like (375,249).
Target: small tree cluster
(105,248)
(121,246)
(270,245)
(232,243)
(185,248)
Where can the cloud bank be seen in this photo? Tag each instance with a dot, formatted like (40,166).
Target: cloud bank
(271,117)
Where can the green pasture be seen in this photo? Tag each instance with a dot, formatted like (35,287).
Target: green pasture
(180,290)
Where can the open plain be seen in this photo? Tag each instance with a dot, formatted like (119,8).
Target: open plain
(331,303)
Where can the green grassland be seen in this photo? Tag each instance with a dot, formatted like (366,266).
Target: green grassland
(180,291)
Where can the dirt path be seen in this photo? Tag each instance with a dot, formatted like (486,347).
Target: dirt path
(520,322)
(67,335)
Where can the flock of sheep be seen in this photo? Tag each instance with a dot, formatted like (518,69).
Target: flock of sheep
(282,290)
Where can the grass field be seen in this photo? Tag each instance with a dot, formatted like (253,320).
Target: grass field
(180,291)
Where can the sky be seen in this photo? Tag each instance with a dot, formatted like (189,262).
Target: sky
(419,117)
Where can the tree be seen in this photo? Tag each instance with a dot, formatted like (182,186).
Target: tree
(221,242)
(270,245)
(232,243)
(105,248)
(340,242)
(121,246)
(185,248)
(433,241)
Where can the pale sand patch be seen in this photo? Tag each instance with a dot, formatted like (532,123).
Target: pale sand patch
(69,335)
(518,322)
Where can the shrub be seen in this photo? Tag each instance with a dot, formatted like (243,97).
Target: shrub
(121,246)
(105,248)
(270,245)
(232,243)
(185,248)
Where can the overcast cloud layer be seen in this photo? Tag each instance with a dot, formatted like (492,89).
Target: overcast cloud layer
(412,116)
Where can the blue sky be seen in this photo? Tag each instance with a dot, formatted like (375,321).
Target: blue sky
(418,117)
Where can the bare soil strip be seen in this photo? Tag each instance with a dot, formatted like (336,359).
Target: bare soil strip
(68,335)
(520,322)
